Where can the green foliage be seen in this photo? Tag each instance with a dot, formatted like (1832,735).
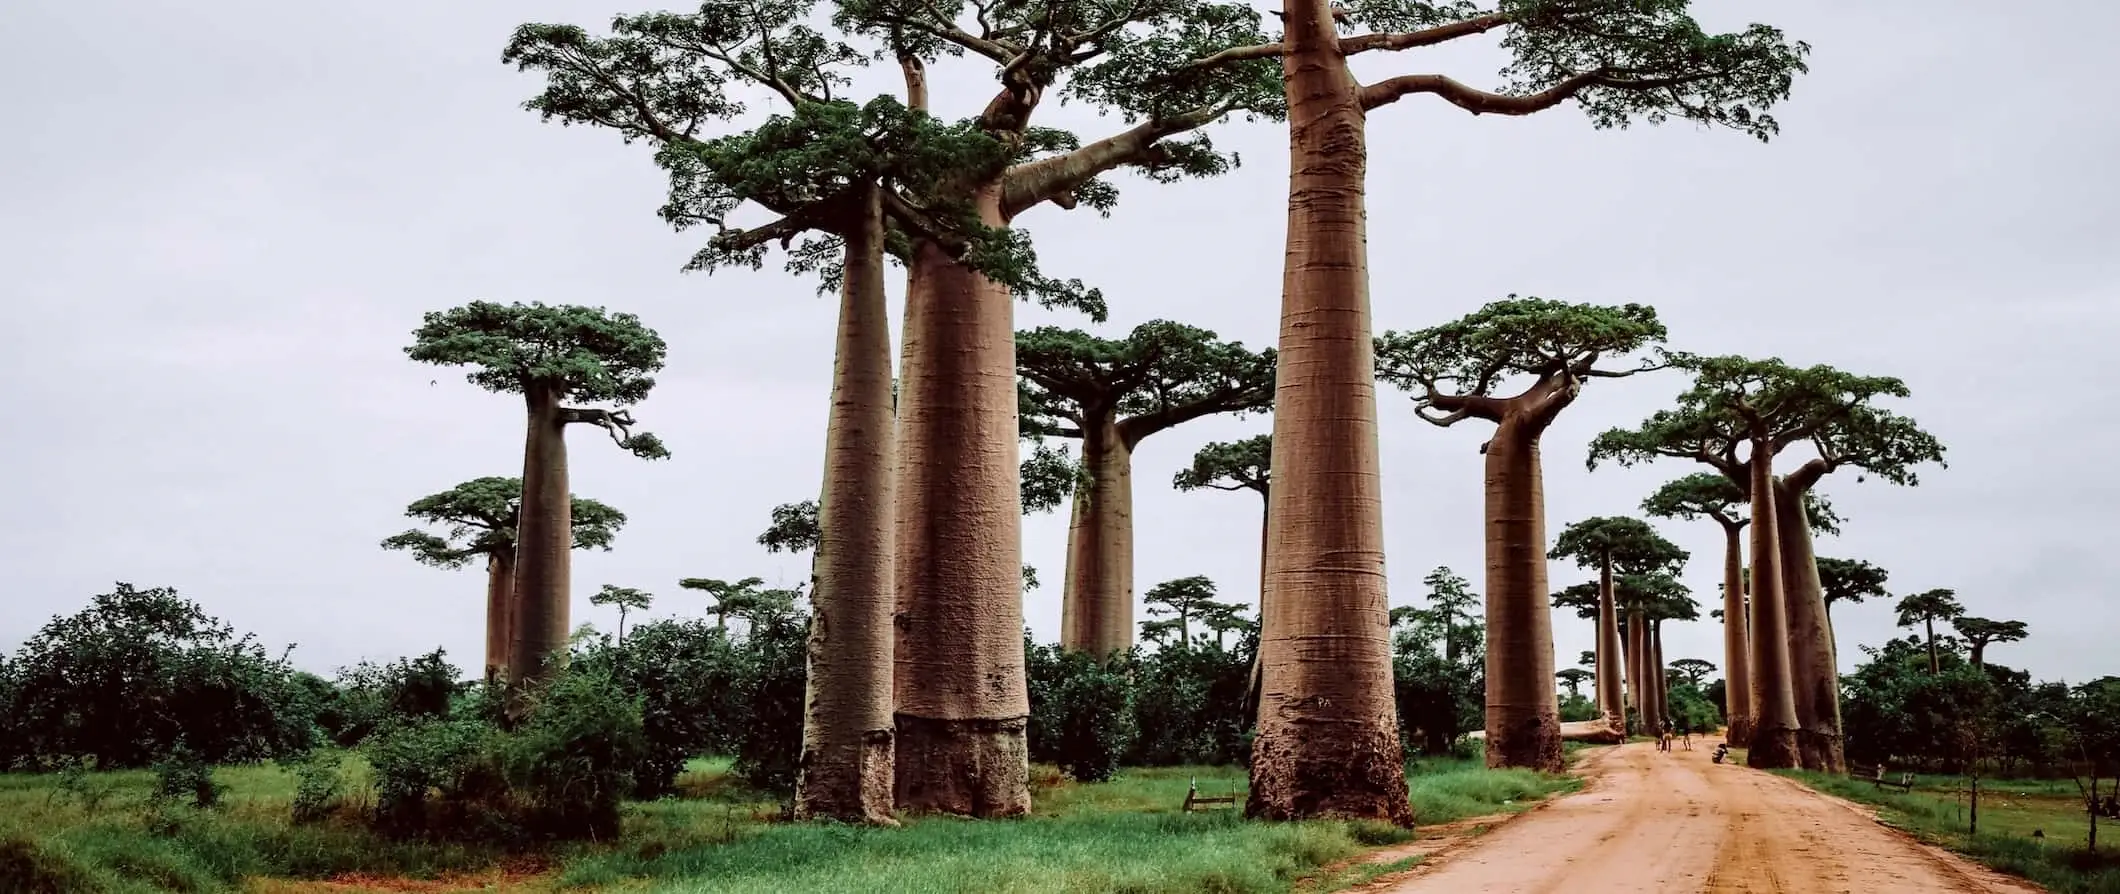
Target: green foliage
(1161,375)
(583,353)
(690,678)
(1230,465)
(1850,580)
(369,696)
(1928,607)
(1475,356)
(1181,602)
(1694,669)
(1979,633)
(319,783)
(625,599)
(1734,400)
(138,673)
(1691,709)
(1439,665)
(1711,495)
(769,744)
(479,518)
(1049,476)
(1632,546)
(1082,716)
(182,775)
(1574,679)
(794,529)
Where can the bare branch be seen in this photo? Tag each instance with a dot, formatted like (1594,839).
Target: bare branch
(1427,37)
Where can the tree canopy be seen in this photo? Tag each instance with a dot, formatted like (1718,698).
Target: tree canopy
(1179,603)
(1230,465)
(479,516)
(1695,669)
(574,353)
(1850,580)
(1462,369)
(1734,400)
(1160,375)
(794,529)
(1632,546)
(1928,606)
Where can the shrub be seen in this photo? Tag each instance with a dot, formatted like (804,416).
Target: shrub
(769,743)
(435,778)
(183,775)
(318,784)
(571,765)
(138,671)
(1082,712)
(689,677)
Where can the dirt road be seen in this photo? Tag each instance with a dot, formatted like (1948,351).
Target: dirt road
(1674,822)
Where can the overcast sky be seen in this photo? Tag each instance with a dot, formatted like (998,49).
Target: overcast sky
(220,223)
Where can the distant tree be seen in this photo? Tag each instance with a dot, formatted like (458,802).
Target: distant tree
(1224,618)
(1182,600)
(1925,609)
(1616,546)
(2090,721)
(1238,465)
(1766,406)
(1110,394)
(549,356)
(1979,633)
(625,599)
(794,529)
(479,517)
(1573,678)
(1694,669)
(1463,370)
(730,597)
(1850,581)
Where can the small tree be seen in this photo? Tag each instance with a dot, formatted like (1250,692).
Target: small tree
(1616,546)
(1574,678)
(1924,609)
(1850,581)
(1979,633)
(479,520)
(549,356)
(1463,370)
(625,599)
(1182,601)
(730,597)
(1238,465)
(1694,669)
(2091,732)
(1110,394)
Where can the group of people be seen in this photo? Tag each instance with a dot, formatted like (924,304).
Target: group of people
(1665,730)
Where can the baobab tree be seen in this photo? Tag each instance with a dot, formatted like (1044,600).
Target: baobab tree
(731,598)
(1615,546)
(625,599)
(1694,669)
(1764,407)
(550,357)
(1574,678)
(660,77)
(1464,370)
(1669,601)
(1238,465)
(1979,633)
(479,518)
(1325,745)
(1850,581)
(1180,602)
(1925,609)
(1109,394)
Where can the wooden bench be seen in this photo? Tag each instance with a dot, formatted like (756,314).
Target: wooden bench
(1195,800)
(1879,779)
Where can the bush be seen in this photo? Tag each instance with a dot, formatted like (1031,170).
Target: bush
(138,671)
(773,687)
(369,696)
(562,773)
(183,775)
(1082,712)
(1189,705)
(318,784)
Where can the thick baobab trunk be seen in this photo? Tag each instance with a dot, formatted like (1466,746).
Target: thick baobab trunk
(500,613)
(1328,740)
(1611,682)
(1813,678)
(962,701)
(1737,640)
(543,541)
(1774,725)
(1252,688)
(1659,675)
(1523,722)
(1097,600)
(845,770)
(1637,659)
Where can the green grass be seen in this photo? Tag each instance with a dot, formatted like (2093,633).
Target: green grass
(1937,811)
(1126,835)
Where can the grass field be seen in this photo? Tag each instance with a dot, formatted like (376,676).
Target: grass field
(101,833)
(1938,810)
